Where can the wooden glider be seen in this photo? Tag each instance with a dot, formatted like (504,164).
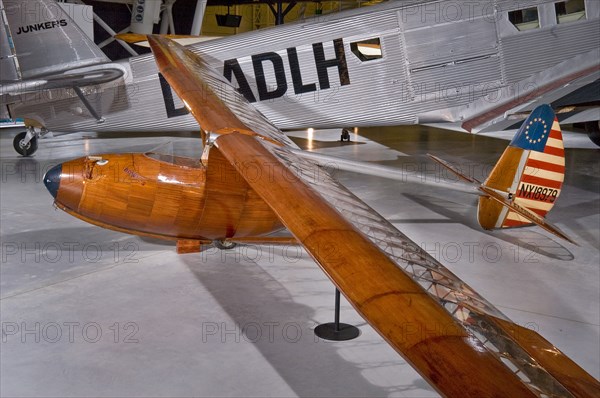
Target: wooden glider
(458,341)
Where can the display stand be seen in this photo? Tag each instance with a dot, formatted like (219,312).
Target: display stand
(337,331)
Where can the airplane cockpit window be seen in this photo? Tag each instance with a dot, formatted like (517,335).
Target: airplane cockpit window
(570,10)
(525,19)
(166,153)
(367,50)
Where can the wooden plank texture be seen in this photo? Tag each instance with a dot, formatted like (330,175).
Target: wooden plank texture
(396,306)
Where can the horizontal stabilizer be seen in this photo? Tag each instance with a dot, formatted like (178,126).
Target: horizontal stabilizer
(453,169)
(528,215)
(527,180)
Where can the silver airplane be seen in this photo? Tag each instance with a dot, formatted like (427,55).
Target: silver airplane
(481,65)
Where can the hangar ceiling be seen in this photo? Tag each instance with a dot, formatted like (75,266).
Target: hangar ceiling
(255,14)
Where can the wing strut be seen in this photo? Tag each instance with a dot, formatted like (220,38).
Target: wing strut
(87,104)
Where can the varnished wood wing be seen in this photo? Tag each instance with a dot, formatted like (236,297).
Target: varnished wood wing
(458,341)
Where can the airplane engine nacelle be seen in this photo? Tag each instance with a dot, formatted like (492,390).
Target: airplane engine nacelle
(165,197)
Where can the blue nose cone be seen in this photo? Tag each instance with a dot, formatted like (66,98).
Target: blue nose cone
(52,180)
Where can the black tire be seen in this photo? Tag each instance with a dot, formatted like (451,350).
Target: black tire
(345,135)
(224,245)
(25,150)
(593,130)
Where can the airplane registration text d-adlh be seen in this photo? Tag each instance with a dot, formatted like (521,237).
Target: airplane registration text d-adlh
(400,62)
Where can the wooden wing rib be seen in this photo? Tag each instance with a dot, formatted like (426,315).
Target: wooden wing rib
(457,340)
(397,307)
(534,363)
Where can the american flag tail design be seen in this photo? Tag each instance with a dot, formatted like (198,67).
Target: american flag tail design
(527,180)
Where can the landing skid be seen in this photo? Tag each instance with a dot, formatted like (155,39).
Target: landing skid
(224,244)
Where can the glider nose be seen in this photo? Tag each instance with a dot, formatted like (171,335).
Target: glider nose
(52,180)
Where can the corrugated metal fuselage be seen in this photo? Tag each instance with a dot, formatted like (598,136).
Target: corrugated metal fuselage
(436,55)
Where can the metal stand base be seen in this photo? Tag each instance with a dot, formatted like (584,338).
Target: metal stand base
(337,331)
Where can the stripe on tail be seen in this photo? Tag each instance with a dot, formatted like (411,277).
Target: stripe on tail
(530,172)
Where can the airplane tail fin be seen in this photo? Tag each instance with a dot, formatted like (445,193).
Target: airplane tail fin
(42,39)
(527,180)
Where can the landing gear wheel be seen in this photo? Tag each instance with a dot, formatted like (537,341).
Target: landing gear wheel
(224,245)
(22,148)
(593,130)
(345,135)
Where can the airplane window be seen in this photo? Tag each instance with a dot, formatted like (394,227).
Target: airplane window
(569,11)
(526,19)
(367,50)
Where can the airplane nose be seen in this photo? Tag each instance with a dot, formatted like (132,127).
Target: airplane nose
(52,180)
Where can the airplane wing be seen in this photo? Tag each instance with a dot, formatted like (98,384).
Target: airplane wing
(76,77)
(457,340)
(570,82)
(56,54)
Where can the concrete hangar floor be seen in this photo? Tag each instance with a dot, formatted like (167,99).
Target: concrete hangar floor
(90,312)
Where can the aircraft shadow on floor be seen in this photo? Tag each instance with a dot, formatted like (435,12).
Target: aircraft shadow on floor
(525,237)
(311,367)
(570,215)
